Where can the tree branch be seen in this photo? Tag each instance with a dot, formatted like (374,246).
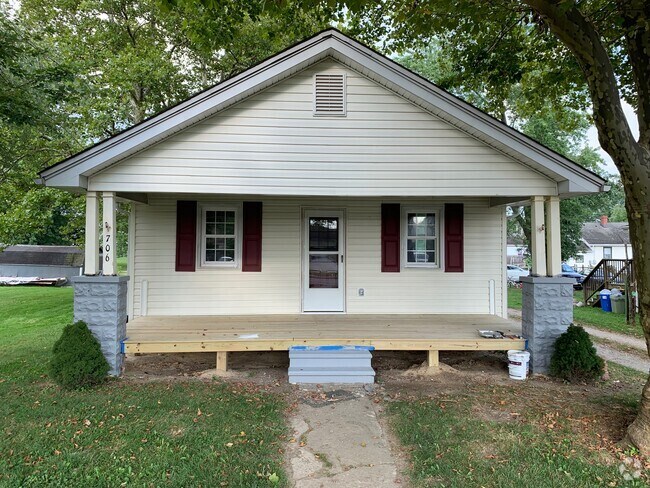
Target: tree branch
(636,15)
(570,26)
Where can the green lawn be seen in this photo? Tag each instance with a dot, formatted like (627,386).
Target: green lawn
(517,435)
(165,433)
(122,264)
(589,316)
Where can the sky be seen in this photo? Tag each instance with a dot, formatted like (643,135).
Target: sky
(592,136)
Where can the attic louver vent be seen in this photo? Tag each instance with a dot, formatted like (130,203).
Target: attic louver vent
(329,94)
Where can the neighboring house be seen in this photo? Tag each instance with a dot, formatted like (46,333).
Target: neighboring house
(41,261)
(325,196)
(516,251)
(603,240)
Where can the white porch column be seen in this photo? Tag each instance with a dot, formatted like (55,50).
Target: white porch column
(537,236)
(91,261)
(108,238)
(553,240)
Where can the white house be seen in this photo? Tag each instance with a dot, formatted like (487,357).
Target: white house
(325,196)
(603,240)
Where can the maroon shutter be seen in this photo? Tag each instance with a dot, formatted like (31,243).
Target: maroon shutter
(252,239)
(185,235)
(390,230)
(454,260)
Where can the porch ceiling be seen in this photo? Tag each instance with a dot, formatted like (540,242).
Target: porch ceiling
(444,332)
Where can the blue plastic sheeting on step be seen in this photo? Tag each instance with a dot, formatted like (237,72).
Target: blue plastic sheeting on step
(332,348)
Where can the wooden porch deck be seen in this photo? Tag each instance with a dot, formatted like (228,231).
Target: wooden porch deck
(165,334)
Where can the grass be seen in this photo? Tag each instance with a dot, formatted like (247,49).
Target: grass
(588,316)
(164,433)
(521,435)
(122,265)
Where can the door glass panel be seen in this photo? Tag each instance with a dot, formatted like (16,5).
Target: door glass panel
(323,271)
(324,234)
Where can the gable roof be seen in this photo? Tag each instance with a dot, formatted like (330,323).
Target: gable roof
(572,179)
(617,233)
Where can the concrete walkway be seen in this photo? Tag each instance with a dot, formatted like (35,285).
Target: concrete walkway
(625,340)
(638,362)
(338,442)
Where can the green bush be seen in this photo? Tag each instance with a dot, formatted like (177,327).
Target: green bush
(77,360)
(575,358)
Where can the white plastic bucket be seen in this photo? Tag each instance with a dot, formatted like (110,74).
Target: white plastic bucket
(518,364)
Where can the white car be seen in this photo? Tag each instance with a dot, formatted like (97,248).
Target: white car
(515,272)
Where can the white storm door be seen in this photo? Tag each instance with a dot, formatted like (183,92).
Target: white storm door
(323,266)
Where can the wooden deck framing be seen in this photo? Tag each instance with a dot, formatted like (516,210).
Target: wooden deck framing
(166,334)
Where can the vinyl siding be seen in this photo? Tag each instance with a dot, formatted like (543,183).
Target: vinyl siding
(272,144)
(277,289)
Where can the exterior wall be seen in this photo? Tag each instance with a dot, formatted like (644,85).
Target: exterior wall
(272,144)
(277,289)
(28,270)
(592,258)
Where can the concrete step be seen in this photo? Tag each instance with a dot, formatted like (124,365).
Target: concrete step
(330,364)
(331,375)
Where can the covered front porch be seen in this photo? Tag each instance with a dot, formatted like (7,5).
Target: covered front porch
(223,334)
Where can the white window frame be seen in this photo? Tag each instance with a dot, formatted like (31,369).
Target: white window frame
(238,236)
(611,252)
(404,237)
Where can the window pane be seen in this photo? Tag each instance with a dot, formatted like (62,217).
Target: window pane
(210,229)
(209,255)
(421,224)
(219,254)
(210,216)
(220,217)
(230,217)
(324,234)
(230,255)
(230,230)
(210,243)
(219,228)
(430,222)
(220,244)
(324,271)
(230,243)
(431,245)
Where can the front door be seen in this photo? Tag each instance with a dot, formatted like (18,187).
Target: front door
(323,264)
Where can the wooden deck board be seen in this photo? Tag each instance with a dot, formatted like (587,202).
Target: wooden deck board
(159,334)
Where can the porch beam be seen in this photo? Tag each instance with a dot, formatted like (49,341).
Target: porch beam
(538,236)
(91,260)
(222,361)
(553,239)
(108,237)
(133,197)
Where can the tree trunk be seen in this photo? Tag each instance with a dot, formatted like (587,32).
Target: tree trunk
(632,158)
(638,210)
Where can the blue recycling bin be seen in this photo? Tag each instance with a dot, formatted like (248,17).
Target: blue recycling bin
(606,300)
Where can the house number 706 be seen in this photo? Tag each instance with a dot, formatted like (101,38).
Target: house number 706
(107,247)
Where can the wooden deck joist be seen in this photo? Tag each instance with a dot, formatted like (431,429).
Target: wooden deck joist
(166,334)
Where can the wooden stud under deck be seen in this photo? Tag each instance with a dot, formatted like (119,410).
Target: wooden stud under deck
(433,359)
(222,361)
